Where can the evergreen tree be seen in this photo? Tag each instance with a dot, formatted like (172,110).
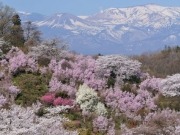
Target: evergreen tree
(16,36)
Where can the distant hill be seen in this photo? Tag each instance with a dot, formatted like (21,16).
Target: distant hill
(132,30)
(161,64)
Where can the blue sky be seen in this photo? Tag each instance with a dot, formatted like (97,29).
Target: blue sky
(79,7)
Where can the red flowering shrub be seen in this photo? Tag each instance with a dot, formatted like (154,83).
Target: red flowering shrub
(62,101)
(48,98)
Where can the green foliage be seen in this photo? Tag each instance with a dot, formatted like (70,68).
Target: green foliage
(43,61)
(16,37)
(74,115)
(111,80)
(84,131)
(62,94)
(32,86)
(126,87)
(41,111)
(129,88)
(169,102)
(133,79)
(16,20)
(72,125)
(118,120)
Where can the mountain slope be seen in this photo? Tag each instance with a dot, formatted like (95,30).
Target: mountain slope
(130,30)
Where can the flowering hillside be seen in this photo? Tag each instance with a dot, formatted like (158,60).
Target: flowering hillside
(71,94)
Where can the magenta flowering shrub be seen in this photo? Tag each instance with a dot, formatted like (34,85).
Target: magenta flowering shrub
(151,84)
(63,102)
(48,98)
(51,99)
(129,103)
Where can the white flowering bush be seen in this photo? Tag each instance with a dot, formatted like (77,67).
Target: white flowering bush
(47,51)
(87,98)
(100,109)
(170,86)
(23,121)
(123,67)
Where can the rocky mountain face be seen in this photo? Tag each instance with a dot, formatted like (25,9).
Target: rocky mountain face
(132,30)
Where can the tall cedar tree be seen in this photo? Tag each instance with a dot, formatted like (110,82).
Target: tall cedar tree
(16,36)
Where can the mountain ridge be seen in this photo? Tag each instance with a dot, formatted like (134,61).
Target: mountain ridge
(131,30)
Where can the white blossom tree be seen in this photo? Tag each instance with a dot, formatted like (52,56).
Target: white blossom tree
(170,86)
(121,66)
(24,121)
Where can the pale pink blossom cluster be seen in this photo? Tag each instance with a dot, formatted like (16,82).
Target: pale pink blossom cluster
(151,84)
(18,61)
(104,125)
(13,90)
(129,103)
(68,75)
(101,124)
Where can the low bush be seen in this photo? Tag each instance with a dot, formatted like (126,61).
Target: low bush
(169,102)
(32,88)
(72,125)
(41,111)
(84,131)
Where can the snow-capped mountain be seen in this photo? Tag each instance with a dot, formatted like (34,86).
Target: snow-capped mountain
(148,15)
(64,20)
(34,17)
(115,30)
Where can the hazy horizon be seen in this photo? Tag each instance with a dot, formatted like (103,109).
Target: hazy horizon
(79,7)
